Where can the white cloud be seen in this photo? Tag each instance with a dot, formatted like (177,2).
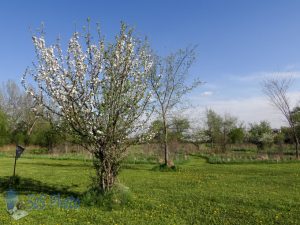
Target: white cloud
(207,93)
(249,110)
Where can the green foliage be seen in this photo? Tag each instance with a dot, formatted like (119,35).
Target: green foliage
(237,135)
(279,139)
(4,129)
(214,124)
(295,116)
(223,130)
(118,197)
(179,127)
(198,137)
(165,168)
(19,135)
(45,135)
(261,135)
(156,129)
(288,134)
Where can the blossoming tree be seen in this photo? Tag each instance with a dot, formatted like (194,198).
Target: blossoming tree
(98,89)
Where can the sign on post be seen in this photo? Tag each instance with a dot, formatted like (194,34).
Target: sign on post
(19,151)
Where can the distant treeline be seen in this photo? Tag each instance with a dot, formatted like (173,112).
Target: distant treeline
(20,125)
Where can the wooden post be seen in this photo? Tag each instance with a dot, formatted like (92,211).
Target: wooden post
(15,165)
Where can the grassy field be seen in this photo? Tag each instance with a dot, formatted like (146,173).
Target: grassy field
(199,193)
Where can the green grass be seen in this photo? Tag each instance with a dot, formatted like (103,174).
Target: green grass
(199,193)
(228,159)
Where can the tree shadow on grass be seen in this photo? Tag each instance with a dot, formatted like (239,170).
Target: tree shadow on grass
(30,186)
(57,164)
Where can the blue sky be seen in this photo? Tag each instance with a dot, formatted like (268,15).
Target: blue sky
(239,42)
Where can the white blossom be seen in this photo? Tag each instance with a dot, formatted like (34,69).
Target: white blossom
(94,83)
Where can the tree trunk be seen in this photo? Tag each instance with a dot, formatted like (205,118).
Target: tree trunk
(166,150)
(296,141)
(224,144)
(297,146)
(106,170)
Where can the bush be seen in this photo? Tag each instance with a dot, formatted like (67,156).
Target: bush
(116,198)
(45,135)
(266,141)
(165,168)
(261,135)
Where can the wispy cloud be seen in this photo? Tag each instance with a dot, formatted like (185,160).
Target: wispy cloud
(259,76)
(207,93)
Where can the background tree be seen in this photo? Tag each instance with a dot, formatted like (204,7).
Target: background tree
(46,134)
(288,135)
(17,105)
(295,114)
(222,130)
(100,91)
(237,135)
(198,136)
(229,123)
(213,123)
(156,130)
(277,92)
(279,141)
(4,129)
(261,135)
(168,81)
(179,127)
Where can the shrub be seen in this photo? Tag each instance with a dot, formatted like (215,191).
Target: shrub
(165,168)
(116,198)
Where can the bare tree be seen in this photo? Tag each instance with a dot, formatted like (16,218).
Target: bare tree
(17,106)
(168,82)
(219,128)
(277,92)
(229,123)
(100,91)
